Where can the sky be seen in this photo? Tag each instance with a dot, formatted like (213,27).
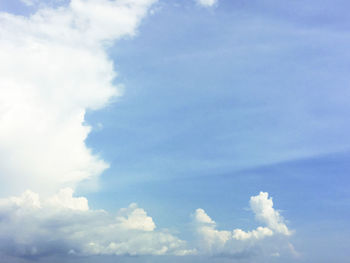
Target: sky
(154,131)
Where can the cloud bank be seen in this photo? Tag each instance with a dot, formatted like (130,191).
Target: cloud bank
(33,227)
(54,68)
(62,224)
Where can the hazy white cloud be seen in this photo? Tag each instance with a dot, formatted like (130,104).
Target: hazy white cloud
(63,224)
(207,3)
(29,2)
(42,3)
(214,241)
(54,67)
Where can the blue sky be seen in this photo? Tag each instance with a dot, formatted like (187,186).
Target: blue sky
(215,104)
(223,103)
(238,88)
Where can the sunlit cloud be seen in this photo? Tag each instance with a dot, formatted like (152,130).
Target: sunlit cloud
(55,67)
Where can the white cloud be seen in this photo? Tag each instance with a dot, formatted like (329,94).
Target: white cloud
(65,199)
(258,233)
(202,217)
(207,3)
(136,218)
(214,241)
(32,226)
(53,68)
(262,206)
(63,224)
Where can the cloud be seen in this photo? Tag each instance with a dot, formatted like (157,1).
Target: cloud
(136,218)
(29,2)
(213,241)
(62,224)
(202,217)
(54,68)
(262,207)
(42,3)
(207,3)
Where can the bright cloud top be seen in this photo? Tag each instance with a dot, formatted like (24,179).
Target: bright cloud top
(262,207)
(207,3)
(54,67)
(62,224)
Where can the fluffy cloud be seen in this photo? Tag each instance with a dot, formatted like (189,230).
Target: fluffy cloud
(262,207)
(54,67)
(214,241)
(136,218)
(63,224)
(207,3)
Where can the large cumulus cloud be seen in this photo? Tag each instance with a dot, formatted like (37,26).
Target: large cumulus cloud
(53,68)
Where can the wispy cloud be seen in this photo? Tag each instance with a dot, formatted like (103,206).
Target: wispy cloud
(207,3)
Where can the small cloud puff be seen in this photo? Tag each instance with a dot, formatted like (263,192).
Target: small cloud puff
(207,3)
(202,217)
(135,218)
(262,207)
